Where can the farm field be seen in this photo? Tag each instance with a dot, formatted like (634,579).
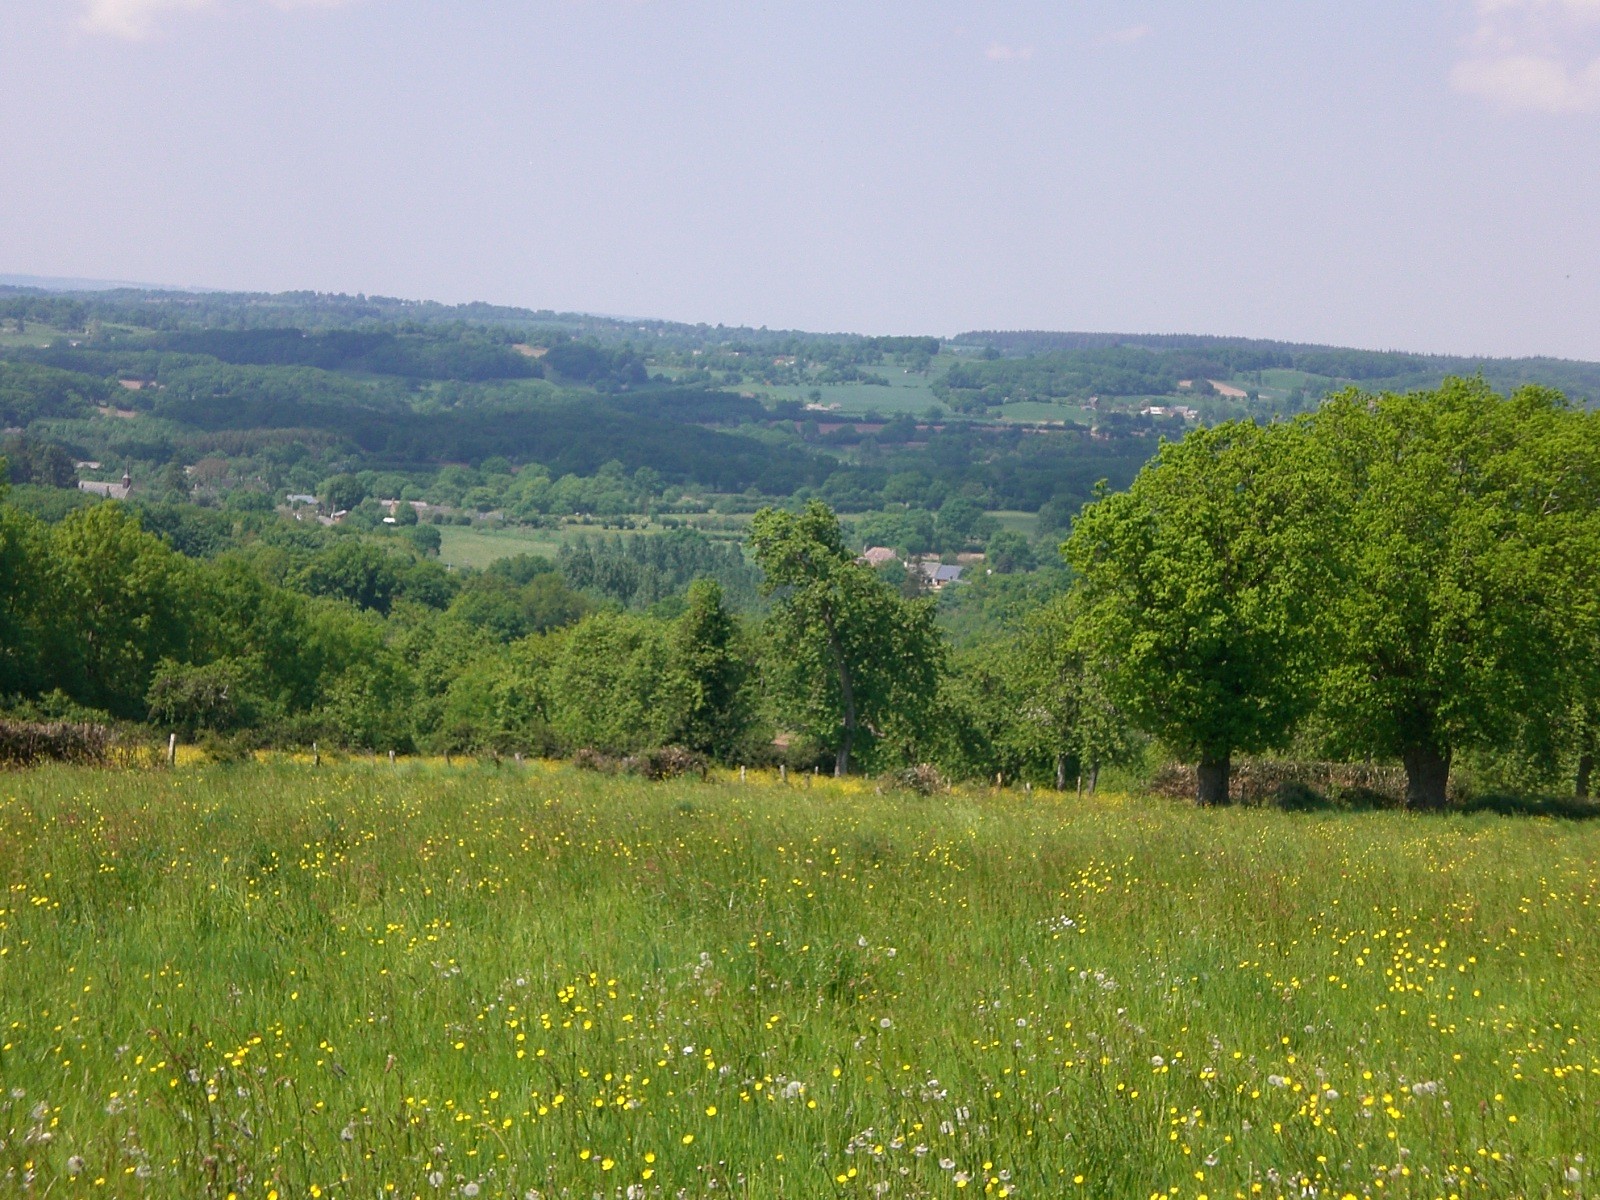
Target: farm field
(33,334)
(1025,523)
(462,546)
(271,980)
(475,546)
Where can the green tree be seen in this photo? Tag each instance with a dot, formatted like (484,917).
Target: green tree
(492,602)
(1202,586)
(1064,709)
(962,521)
(709,675)
(1469,548)
(426,538)
(1008,553)
(124,597)
(218,696)
(26,589)
(609,684)
(850,660)
(343,492)
(365,690)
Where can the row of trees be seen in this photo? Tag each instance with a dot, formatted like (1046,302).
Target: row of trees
(1400,578)
(359,644)
(1396,577)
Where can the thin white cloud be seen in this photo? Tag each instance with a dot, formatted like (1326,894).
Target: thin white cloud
(133,19)
(136,20)
(1589,9)
(999,52)
(1534,56)
(1531,82)
(1124,37)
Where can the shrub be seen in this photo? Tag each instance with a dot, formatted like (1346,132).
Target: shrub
(667,762)
(924,779)
(23,743)
(590,759)
(1268,781)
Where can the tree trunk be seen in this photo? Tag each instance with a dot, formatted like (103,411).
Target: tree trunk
(1061,772)
(1585,770)
(1214,773)
(1427,776)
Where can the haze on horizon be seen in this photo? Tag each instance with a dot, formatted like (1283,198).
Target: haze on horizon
(1418,176)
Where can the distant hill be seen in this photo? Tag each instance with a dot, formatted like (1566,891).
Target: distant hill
(1192,356)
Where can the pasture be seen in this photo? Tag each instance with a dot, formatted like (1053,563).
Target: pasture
(276,981)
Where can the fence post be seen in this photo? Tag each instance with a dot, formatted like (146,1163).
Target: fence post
(391,758)
(519,758)
(447,758)
(172,749)
(316,755)
(783,773)
(741,774)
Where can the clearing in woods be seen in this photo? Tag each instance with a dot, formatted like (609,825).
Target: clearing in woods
(369,980)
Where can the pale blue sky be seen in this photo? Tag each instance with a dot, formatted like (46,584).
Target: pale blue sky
(1422,174)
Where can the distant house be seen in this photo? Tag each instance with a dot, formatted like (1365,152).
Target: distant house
(939,575)
(877,556)
(111,491)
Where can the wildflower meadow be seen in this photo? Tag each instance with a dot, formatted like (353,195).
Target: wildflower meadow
(371,980)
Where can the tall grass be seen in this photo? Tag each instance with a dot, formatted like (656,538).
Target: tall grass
(372,981)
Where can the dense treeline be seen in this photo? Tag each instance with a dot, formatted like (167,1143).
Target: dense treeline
(1065,375)
(289,428)
(1072,356)
(1405,577)
(1401,578)
(378,352)
(289,635)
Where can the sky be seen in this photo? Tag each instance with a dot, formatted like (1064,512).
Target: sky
(1420,175)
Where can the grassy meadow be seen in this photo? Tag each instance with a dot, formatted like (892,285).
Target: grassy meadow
(362,980)
(465,546)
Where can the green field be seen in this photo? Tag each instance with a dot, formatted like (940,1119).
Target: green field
(372,981)
(477,546)
(1025,523)
(464,546)
(35,334)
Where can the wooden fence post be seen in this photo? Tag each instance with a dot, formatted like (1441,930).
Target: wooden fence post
(391,758)
(172,749)
(316,755)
